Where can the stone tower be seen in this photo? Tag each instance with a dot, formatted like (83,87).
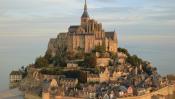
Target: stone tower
(85,17)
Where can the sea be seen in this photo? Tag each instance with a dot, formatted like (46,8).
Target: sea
(21,49)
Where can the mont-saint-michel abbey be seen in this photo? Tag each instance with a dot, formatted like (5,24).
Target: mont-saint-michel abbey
(85,62)
(85,36)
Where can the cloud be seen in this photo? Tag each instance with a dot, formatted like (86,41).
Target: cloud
(56,15)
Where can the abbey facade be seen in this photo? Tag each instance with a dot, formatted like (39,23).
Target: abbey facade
(86,36)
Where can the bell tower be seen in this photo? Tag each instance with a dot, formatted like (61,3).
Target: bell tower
(85,17)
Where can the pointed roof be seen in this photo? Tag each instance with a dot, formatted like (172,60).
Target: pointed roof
(85,13)
(110,34)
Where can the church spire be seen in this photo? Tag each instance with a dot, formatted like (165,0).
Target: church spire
(85,6)
(85,13)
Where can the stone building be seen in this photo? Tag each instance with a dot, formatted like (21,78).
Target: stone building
(93,78)
(72,66)
(104,76)
(69,82)
(52,90)
(85,37)
(115,75)
(102,62)
(15,76)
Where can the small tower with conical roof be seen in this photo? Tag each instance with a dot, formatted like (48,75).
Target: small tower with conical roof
(85,16)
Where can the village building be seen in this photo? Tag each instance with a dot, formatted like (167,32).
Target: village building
(15,76)
(52,90)
(68,82)
(105,76)
(93,78)
(115,75)
(130,91)
(72,66)
(102,62)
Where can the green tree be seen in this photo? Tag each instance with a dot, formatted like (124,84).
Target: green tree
(41,62)
(123,50)
(52,71)
(80,53)
(61,56)
(134,60)
(90,60)
(100,49)
(49,57)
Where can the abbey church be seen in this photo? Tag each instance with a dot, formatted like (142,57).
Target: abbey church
(85,36)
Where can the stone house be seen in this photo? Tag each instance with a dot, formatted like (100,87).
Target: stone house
(15,76)
(72,66)
(130,91)
(115,75)
(52,90)
(93,78)
(104,75)
(68,82)
(102,62)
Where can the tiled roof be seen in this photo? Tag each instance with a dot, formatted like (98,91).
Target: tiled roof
(85,15)
(73,28)
(15,73)
(110,34)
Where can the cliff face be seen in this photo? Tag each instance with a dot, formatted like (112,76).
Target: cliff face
(52,46)
(57,43)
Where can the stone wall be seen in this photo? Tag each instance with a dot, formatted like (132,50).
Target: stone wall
(164,93)
(31,96)
(103,61)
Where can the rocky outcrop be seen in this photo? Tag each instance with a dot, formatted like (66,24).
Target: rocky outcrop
(52,46)
(57,43)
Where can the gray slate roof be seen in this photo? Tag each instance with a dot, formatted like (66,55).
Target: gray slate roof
(110,34)
(85,15)
(15,73)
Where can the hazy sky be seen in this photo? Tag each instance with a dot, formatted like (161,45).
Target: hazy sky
(155,17)
(145,28)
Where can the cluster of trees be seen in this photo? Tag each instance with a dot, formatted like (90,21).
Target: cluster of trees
(73,55)
(52,71)
(90,60)
(123,50)
(134,60)
(41,62)
(59,59)
(100,49)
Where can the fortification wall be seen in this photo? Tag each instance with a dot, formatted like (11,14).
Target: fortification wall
(31,96)
(164,93)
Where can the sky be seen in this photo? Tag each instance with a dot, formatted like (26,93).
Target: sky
(144,27)
(130,17)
